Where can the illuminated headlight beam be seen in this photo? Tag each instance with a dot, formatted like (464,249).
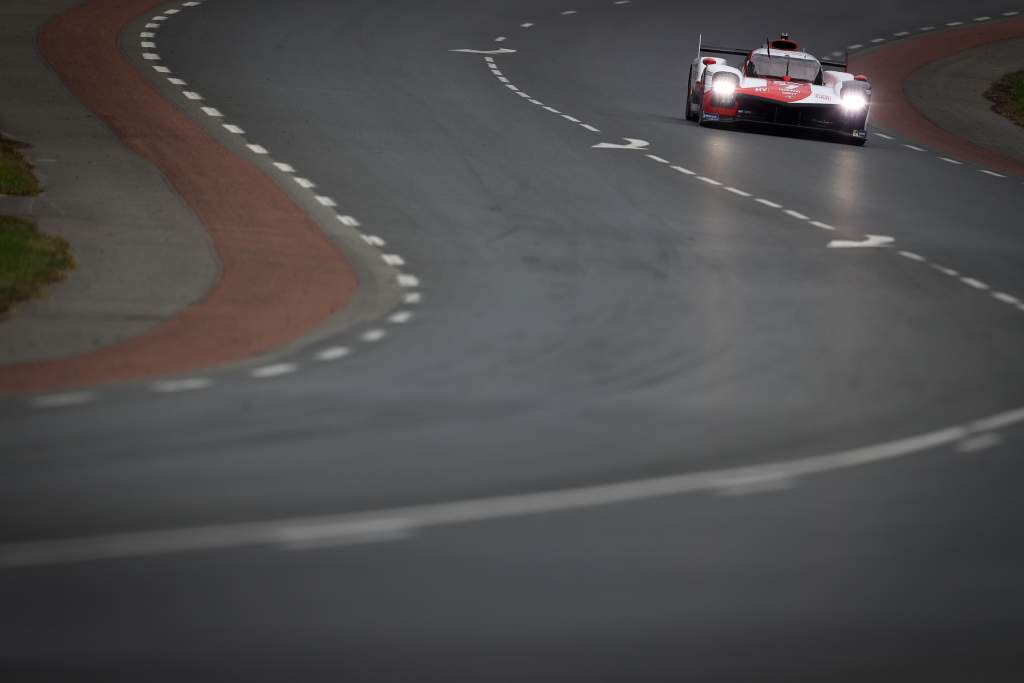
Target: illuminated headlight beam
(854,103)
(724,87)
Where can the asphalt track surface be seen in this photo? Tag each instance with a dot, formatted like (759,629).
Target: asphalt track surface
(590,316)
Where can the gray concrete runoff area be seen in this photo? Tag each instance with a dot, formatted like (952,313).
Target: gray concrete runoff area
(141,254)
(950,92)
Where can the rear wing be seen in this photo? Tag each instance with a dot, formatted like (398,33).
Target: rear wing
(702,48)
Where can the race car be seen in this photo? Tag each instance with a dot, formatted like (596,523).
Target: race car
(778,85)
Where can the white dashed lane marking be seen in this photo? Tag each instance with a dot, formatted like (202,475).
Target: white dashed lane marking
(270,371)
(178,385)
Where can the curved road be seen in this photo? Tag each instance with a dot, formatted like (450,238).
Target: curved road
(589,316)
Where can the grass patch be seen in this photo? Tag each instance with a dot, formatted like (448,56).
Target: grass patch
(16,175)
(1007,95)
(28,260)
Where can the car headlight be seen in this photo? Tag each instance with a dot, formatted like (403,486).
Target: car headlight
(724,87)
(854,102)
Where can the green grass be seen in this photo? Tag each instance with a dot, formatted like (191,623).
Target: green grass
(16,175)
(28,260)
(1007,95)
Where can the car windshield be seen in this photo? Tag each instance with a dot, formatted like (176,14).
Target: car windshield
(776,65)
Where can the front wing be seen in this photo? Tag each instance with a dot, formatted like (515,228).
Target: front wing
(822,117)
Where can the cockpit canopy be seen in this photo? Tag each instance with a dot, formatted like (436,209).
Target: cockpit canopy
(801,67)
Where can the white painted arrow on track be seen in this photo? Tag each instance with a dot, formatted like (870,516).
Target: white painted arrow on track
(871,241)
(499,51)
(631,143)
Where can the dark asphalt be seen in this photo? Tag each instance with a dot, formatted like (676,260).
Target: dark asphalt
(589,316)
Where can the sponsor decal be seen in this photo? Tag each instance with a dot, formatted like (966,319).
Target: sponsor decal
(782,91)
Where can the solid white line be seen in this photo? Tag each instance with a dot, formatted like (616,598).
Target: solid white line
(287,168)
(911,255)
(952,161)
(269,371)
(232,128)
(326,201)
(587,126)
(737,191)
(351,222)
(769,203)
(332,353)
(211,111)
(305,182)
(916,149)
(393,259)
(373,335)
(684,171)
(976,284)
(709,181)
(61,400)
(654,157)
(355,525)
(257,149)
(884,136)
(796,214)
(991,173)
(823,226)
(400,317)
(171,386)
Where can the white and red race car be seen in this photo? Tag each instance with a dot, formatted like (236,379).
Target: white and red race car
(779,85)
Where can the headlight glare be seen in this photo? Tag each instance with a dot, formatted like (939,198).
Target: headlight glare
(854,102)
(724,87)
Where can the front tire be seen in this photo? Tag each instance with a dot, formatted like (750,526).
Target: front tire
(690,116)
